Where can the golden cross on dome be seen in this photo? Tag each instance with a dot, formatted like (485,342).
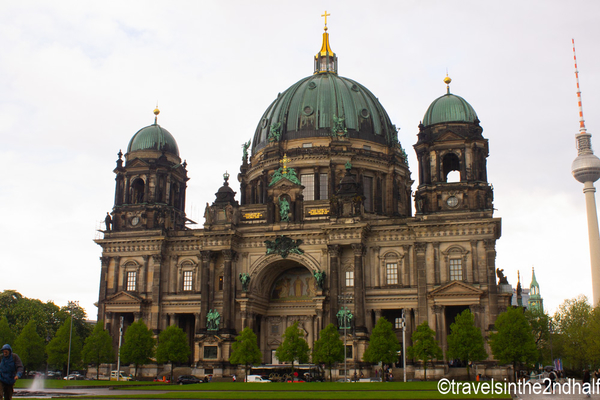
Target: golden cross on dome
(325,15)
(284,161)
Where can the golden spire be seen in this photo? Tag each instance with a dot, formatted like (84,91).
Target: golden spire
(325,15)
(156,112)
(447,81)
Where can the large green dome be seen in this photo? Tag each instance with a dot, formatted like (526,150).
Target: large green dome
(449,108)
(153,137)
(308,109)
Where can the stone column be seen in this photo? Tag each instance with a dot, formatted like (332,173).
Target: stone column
(359,288)
(204,288)
(406,259)
(421,282)
(490,251)
(409,326)
(334,281)
(155,308)
(474,261)
(376,266)
(437,312)
(143,285)
(436,262)
(105,262)
(227,289)
(197,322)
(116,267)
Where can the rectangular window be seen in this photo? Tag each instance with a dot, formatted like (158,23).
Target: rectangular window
(131,281)
(391,273)
(349,278)
(308,181)
(349,351)
(210,352)
(323,187)
(306,145)
(187,280)
(221,282)
(368,191)
(456,269)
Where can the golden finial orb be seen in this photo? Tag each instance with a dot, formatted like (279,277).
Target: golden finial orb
(156,111)
(447,80)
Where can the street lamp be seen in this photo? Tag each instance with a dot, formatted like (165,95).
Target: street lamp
(71,305)
(404,343)
(345,298)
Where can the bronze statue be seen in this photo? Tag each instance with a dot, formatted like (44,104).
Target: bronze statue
(108,221)
(501,278)
(245,279)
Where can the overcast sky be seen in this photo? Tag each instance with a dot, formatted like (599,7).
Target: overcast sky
(79,78)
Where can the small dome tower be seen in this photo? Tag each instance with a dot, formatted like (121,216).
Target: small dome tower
(150,187)
(450,139)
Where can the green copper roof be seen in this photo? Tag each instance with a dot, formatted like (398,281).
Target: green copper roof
(449,108)
(319,104)
(153,137)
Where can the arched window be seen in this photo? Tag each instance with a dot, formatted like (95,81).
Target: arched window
(450,163)
(138,191)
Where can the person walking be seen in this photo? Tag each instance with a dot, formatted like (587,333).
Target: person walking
(11,369)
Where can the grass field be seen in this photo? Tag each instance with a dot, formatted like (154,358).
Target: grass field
(239,390)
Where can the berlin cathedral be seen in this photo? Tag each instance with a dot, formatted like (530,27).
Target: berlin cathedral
(325,221)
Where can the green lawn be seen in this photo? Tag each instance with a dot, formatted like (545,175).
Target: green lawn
(240,390)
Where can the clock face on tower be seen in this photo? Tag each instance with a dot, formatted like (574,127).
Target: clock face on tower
(452,201)
(135,221)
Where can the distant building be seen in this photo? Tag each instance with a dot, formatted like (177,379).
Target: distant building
(535,298)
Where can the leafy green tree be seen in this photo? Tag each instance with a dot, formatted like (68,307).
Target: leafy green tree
(574,332)
(30,347)
(465,341)
(294,347)
(383,344)
(513,342)
(245,351)
(172,347)
(425,347)
(540,327)
(58,348)
(98,347)
(329,349)
(138,346)
(6,334)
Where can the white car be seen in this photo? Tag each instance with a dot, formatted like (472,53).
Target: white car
(256,378)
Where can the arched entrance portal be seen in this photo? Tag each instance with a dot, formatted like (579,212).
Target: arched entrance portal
(285,291)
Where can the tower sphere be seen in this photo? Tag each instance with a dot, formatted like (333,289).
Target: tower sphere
(586,168)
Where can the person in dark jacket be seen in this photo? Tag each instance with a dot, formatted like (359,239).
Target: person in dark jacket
(11,369)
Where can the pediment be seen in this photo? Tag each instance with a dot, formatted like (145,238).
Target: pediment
(285,183)
(456,289)
(124,298)
(449,135)
(138,162)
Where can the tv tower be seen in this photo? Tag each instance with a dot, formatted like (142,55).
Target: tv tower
(586,169)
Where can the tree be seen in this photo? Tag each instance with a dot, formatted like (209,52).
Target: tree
(30,347)
(383,344)
(138,346)
(465,341)
(245,350)
(294,347)
(329,349)
(98,347)
(540,327)
(7,336)
(513,342)
(172,347)
(424,347)
(58,348)
(573,330)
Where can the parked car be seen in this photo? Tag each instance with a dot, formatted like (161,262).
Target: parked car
(187,379)
(256,378)
(119,376)
(74,377)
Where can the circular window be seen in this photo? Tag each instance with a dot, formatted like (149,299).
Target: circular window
(308,110)
(452,201)
(364,113)
(312,85)
(355,87)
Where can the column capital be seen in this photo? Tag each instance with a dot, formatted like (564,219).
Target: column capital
(334,250)
(490,244)
(438,309)
(206,255)
(420,247)
(104,261)
(228,254)
(358,249)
